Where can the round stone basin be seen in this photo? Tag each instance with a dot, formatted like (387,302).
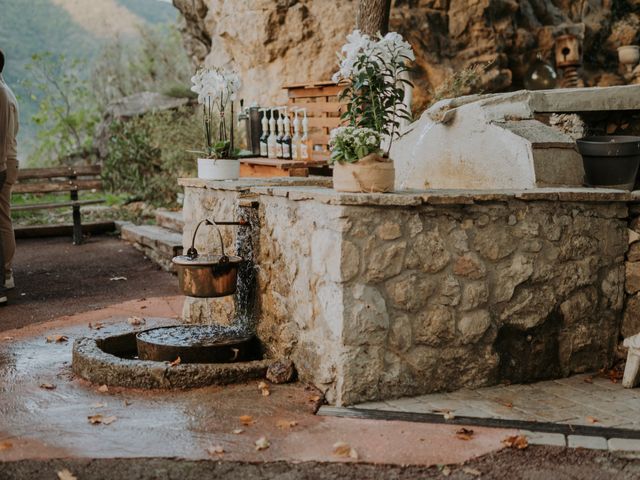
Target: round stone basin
(113,360)
(195,344)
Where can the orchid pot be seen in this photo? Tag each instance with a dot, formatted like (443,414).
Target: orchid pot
(218,169)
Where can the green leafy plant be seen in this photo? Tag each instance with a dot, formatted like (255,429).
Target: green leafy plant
(375,73)
(350,144)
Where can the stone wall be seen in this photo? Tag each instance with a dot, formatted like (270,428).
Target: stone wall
(379,296)
(631,320)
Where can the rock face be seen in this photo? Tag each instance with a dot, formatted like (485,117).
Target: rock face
(275,42)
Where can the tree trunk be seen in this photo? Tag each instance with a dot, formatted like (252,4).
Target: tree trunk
(373,16)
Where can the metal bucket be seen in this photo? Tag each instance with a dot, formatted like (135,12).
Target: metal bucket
(206,276)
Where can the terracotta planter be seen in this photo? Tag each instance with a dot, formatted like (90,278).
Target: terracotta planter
(371,174)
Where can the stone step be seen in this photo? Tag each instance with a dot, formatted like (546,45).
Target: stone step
(158,243)
(172,220)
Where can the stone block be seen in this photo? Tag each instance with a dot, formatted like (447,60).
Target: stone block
(632,277)
(469,266)
(624,445)
(510,274)
(473,325)
(474,294)
(544,438)
(631,318)
(583,441)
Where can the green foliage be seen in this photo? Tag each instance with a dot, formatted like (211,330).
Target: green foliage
(375,96)
(67,113)
(157,62)
(462,82)
(147,154)
(350,144)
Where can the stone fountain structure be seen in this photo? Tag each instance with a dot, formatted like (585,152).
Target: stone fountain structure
(490,263)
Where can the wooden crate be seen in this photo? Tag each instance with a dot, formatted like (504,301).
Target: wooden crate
(323,111)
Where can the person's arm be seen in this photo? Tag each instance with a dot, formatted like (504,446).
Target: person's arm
(5,112)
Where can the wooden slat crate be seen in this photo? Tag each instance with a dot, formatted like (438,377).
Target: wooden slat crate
(323,111)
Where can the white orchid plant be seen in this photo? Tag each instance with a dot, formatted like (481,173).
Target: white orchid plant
(373,71)
(217,89)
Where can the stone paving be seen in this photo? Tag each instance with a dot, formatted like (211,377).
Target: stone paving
(589,400)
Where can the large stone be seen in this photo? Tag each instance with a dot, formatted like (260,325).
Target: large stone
(410,291)
(436,326)
(470,266)
(579,306)
(494,243)
(631,320)
(428,252)
(474,294)
(389,231)
(473,325)
(366,317)
(510,274)
(384,260)
(400,333)
(632,277)
(529,308)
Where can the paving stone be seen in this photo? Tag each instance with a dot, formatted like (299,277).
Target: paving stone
(544,438)
(583,441)
(624,445)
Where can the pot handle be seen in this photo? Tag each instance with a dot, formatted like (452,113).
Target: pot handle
(192,253)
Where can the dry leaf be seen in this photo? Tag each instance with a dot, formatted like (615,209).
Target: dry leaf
(508,404)
(103,389)
(518,442)
(264,389)
(48,386)
(464,433)
(98,405)
(215,450)
(262,443)
(472,471)
(126,403)
(57,338)
(286,424)
(7,338)
(135,321)
(315,398)
(118,279)
(5,445)
(96,326)
(342,449)
(612,127)
(246,420)
(588,379)
(449,416)
(238,431)
(109,420)
(95,419)
(66,475)
(591,419)
(176,362)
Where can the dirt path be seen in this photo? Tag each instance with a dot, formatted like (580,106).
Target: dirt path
(55,278)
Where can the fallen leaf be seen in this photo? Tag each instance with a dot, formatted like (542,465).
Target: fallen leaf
(507,404)
(449,416)
(6,445)
(57,338)
(315,398)
(286,424)
(591,419)
(262,443)
(238,431)
(7,338)
(126,403)
(135,321)
(342,449)
(246,420)
(103,389)
(588,379)
(612,127)
(48,386)
(66,475)
(464,433)
(109,420)
(446,471)
(518,442)
(215,450)
(118,279)
(96,326)
(95,419)
(176,362)
(98,405)
(472,471)
(624,126)
(264,389)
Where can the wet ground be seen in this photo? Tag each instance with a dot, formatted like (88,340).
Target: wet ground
(55,278)
(208,432)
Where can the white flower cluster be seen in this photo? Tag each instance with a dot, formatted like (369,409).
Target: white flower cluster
(213,83)
(387,51)
(355,135)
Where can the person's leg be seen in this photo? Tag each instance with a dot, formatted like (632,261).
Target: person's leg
(3,297)
(7,238)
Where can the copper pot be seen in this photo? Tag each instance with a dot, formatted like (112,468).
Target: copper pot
(206,276)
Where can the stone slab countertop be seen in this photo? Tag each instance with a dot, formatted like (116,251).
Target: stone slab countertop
(446,197)
(246,184)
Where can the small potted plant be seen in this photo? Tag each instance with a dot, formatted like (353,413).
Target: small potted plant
(374,73)
(217,89)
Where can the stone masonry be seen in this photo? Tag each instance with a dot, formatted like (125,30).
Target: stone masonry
(631,320)
(381,296)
